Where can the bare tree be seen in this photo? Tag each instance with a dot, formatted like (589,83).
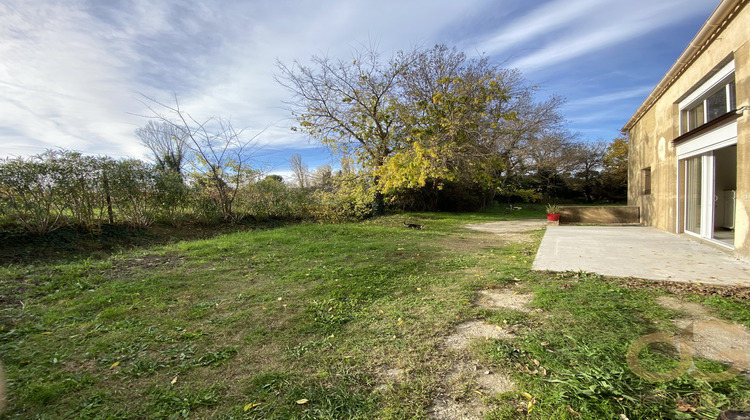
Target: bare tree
(167,144)
(322,176)
(299,168)
(349,106)
(588,163)
(550,157)
(221,155)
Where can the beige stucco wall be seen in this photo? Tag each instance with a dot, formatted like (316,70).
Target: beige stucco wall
(651,138)
(742,218)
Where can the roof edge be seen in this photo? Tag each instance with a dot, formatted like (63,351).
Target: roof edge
(725,11)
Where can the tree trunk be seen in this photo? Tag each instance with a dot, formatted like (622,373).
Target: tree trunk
(378,204)
(105,181)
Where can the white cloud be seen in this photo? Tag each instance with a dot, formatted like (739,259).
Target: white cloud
(71,72)
(564,30)
(543,20)
(62,86)
(635,92)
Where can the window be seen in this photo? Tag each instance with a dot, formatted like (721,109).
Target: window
(646,177)
(709,102)
(716,104)
(693,118)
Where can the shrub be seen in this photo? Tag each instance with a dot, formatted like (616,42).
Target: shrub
(135,197)
(271,198)
(351,198)
(31,192)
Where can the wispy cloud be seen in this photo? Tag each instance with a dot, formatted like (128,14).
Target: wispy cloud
(62,85)
(545,19)
(71,72)
(636,92)
(565,30)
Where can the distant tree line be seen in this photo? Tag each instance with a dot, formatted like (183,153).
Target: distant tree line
(430,129)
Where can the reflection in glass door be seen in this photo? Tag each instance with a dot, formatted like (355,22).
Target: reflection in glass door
(693,184)
(725,194)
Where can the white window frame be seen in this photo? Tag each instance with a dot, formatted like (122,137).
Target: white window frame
(701,94)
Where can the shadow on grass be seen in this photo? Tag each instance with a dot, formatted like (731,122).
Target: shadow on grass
(73,243)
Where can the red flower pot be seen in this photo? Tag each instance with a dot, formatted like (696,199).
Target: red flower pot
(553,217)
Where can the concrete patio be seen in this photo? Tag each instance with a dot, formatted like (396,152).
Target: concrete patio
(637,251)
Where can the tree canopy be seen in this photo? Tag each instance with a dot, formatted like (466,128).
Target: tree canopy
(433,118)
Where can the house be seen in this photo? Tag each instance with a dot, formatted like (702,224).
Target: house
(689,155)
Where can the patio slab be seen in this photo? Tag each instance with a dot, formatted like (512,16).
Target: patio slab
(637,251)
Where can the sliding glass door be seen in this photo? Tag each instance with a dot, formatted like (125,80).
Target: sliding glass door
(709,194)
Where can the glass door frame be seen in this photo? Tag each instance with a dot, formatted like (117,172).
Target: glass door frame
(707,197)
(702,145)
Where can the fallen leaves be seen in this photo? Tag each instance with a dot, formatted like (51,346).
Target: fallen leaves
(302,401)
(737,292)
(250,406)
(539,369)
(530,402)
(685,407)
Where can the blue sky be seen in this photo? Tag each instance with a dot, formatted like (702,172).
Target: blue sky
(71,71)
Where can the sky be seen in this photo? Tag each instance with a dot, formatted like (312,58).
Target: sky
(74,73)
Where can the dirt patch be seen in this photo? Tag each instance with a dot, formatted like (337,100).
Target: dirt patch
(144,263)
(468,382)
(387,377)
(470,330)
(693,310)
(505,299)
(711,337)
(511,231)
(463,389)
(475,242)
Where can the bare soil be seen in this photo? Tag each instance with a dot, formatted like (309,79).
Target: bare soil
(476,329)
(468,381)
(463,389)
(711,337)
(504,299)
(511,231)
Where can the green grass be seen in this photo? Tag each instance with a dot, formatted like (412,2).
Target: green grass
(304,321)
(588,324)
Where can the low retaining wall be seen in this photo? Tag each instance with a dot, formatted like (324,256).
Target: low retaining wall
(605,215)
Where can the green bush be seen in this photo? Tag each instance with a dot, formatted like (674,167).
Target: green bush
(173,197)
(32,192)
(271,198)
(135,198)
(351,198)
(64,188)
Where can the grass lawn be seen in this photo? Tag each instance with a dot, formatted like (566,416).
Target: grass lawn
(307,321)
